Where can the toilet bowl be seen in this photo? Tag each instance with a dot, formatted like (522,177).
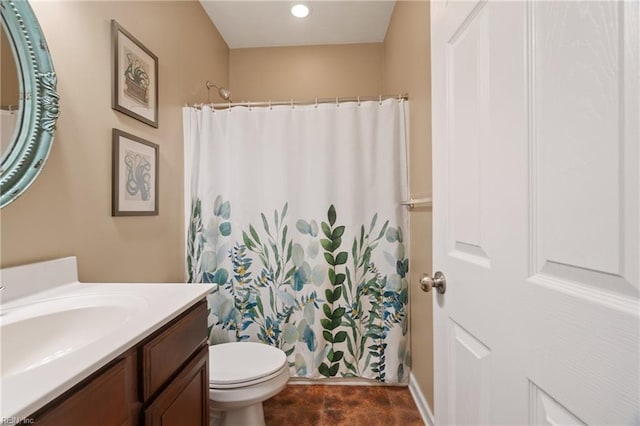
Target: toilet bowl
(241,376)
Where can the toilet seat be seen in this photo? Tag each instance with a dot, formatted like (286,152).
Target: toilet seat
(241,364)
(214,386)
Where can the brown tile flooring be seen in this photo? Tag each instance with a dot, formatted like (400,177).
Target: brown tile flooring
(330,405)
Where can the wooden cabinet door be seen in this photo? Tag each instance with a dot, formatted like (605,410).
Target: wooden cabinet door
(101,400)
(185,402)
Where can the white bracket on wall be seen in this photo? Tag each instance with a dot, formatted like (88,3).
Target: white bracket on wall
(412,202)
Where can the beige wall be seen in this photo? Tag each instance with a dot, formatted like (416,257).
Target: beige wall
(67,211)
(306,72)
(407,69)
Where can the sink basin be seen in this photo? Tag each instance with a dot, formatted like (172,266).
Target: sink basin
(39,333)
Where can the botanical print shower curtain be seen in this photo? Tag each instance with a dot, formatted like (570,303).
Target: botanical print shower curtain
(295,213)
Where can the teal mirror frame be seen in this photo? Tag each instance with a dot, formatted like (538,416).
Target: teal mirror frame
(38,101)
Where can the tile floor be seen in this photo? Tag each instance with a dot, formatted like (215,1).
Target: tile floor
(331,405)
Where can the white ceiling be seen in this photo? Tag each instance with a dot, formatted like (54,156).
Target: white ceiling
(269,23)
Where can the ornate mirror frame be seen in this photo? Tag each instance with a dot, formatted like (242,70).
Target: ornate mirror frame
(38,101)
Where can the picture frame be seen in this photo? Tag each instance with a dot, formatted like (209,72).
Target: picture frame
(135,175)
(134,77)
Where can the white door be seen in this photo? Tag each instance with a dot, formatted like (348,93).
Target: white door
(536,216)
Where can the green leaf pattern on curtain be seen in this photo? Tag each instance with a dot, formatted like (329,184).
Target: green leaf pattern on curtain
(332,318)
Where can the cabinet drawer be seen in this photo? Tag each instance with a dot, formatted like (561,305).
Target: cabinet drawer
(171,347)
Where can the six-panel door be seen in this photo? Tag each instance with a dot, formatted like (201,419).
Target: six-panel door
(536,217)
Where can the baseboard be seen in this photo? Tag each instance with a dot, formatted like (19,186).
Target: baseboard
(421,402)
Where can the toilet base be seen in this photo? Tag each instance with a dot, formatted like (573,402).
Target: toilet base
(252,415)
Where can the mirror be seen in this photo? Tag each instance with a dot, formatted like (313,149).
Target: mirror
(9,95)
(23,154)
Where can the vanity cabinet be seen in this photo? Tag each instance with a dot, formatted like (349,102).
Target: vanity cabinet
(163,380)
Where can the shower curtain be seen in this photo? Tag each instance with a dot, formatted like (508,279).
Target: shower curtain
(294,211)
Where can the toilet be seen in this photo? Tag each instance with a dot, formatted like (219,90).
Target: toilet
(241,376)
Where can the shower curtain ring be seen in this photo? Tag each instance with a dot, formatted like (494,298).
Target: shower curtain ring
(358,100)
(292,107)
(269,103)
(337,103)
(380,99)
(316,102)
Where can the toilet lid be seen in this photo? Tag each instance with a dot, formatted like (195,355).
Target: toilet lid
(241,362)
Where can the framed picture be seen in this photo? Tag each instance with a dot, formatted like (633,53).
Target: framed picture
(135,176)
(134,77)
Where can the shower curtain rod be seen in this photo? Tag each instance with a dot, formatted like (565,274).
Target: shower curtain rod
(315,101)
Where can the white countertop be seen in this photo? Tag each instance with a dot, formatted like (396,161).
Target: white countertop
(149,307)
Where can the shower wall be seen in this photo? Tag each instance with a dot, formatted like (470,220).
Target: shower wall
(407,69)
(306,72)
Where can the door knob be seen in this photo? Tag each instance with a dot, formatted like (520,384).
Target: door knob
(438,281)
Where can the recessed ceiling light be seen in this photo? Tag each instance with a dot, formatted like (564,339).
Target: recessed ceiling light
(300,11)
